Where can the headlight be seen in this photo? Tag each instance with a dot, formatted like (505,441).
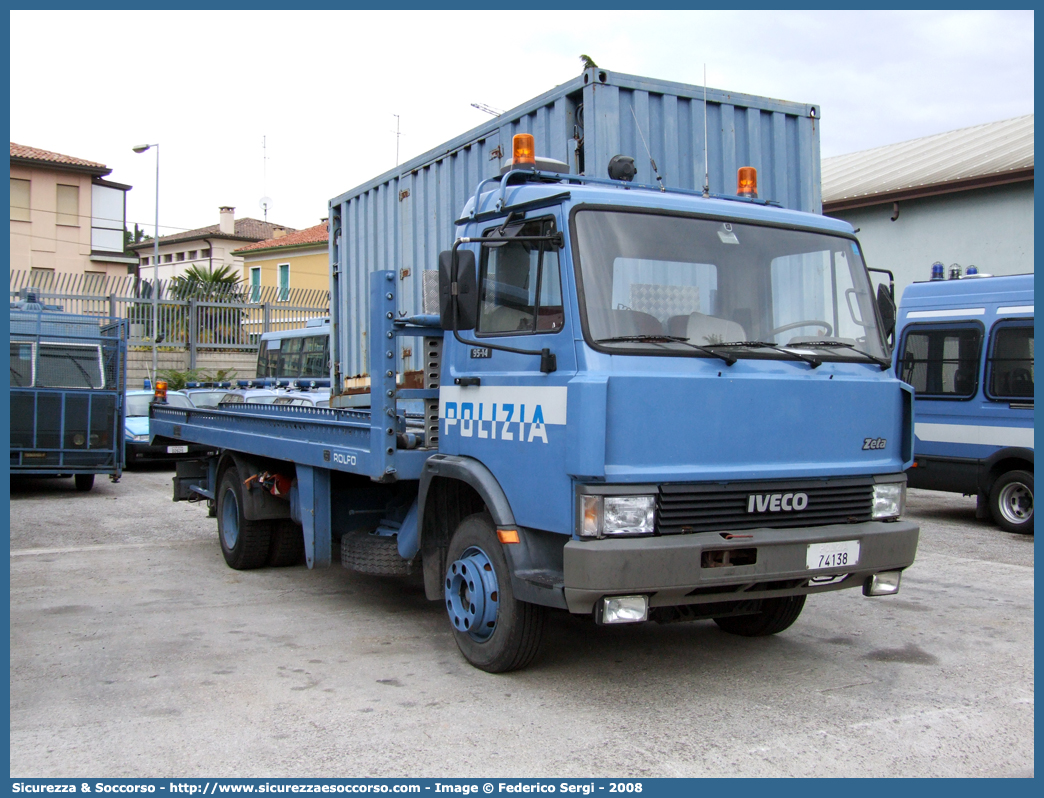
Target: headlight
(618,515)
(889,500)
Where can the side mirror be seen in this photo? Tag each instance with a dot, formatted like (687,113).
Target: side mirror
(886,305)
(466,298)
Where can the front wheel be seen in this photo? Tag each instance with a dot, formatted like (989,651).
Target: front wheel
(1011,502)
(776,615)
(244,544)
(83,482)
(494,631)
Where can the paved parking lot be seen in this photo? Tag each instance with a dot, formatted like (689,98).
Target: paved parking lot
(136,652)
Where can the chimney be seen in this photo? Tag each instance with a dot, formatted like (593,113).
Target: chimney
(227,220)
(278,232)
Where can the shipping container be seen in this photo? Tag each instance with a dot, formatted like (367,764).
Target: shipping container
(402,219)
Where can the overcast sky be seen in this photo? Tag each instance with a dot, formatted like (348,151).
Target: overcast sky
(323,87)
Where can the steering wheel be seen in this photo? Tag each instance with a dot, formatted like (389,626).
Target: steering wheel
(806,323)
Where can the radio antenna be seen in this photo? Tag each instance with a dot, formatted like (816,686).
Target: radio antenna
(655,171)
(706,166)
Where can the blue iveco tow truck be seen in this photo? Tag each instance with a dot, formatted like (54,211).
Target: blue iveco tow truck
(639,404)
(966,347)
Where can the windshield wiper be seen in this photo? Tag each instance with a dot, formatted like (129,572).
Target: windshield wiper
(884,363)
(814,362)
(83,371)
(659,339)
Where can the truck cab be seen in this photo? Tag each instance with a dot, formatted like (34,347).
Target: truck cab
(721,421)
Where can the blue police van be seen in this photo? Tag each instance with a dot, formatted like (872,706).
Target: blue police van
(966,347)
(67,393)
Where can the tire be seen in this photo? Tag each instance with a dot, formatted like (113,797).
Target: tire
(287,545)
(776,615)
(83,482)
(494,631)
(1011,502)
(372,554)
(244,543)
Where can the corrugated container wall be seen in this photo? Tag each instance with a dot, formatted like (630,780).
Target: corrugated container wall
(404,218)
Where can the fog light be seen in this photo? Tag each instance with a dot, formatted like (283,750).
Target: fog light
(625,609)
(882,584)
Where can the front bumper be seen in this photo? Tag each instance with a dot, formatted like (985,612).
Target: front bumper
(669,568)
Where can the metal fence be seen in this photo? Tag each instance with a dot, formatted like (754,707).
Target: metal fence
(190,316)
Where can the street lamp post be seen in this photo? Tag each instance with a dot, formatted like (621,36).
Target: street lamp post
(155,267)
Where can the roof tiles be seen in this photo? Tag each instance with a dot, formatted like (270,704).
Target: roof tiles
(36,154)
(312,235)
(247,229)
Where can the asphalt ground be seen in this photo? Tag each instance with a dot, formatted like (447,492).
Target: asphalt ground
(135,651)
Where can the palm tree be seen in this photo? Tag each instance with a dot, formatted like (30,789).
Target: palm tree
(208,283)
(214,324)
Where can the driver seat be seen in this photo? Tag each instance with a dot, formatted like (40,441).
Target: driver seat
(703,330)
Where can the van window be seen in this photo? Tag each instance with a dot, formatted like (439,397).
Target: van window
(942,361)
(65,365)
(21,364)
(307,356)
(1011,361)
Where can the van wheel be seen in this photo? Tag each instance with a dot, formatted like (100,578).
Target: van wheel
(776,615)
(287,546)
(244,543)
(494,631)
(84,482)
(1011,502)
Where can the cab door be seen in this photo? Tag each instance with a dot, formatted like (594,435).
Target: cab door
(497,406)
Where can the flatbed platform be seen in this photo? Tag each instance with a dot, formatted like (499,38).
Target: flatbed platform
(323,437)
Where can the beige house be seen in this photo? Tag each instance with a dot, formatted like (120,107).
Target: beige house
(206,247)
(65,217)
(294,261)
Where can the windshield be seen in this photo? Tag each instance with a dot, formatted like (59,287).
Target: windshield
(138,404)
(209,398)
(712,282)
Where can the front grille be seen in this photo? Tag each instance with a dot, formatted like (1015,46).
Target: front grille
(682,509)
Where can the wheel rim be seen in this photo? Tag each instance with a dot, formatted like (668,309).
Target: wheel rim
(230,520)
(472,594)
(1016,503)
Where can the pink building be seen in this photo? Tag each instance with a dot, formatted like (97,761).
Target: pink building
(65,217)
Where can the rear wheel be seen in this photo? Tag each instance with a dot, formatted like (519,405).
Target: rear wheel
(494,631)
(1011,502)
(244,543)
(776,615)
(84,482)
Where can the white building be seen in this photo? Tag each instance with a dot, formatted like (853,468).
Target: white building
(963,197)
(207,247)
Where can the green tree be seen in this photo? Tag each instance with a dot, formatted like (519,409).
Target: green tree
(214,324)
(137,237)
(208,283)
